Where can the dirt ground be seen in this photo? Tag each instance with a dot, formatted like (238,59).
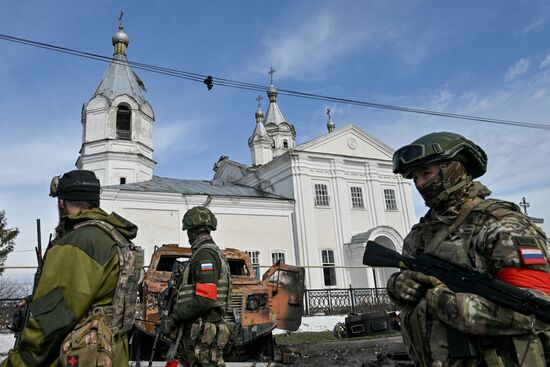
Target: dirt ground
(382,352)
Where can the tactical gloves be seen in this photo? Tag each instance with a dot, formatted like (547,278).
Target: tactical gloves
(411,285)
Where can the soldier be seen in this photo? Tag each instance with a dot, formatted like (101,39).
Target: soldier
(466,228)
(203,296)
(84,302)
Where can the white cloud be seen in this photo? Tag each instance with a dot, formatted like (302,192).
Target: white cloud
(305,46)
(35,158)
(520,67)
(546,61)
(181,137)
(535,25)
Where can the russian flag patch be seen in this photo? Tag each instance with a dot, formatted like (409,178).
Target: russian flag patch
(207,267)
(532,256)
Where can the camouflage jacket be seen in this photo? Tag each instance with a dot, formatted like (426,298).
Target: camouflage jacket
(80,269)
(488,240)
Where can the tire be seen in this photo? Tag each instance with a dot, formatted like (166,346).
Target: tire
(262,349)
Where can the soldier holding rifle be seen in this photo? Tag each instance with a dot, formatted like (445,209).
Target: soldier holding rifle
(490,236)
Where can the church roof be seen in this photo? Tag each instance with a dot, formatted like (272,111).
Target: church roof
(120,79)
(194,187)
(273,114)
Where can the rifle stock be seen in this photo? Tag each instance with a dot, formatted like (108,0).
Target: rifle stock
(461,279)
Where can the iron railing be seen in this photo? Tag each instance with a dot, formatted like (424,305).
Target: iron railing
(340,301)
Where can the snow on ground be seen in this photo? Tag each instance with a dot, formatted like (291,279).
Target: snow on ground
(311,323)
(6,343)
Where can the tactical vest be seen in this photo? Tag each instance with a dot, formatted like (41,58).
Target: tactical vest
(186,289)
(120,315)
(455,242)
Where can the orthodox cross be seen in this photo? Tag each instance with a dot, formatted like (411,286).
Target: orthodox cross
(524,204)
(271,72)
(328,113)
(120,19)
(259,99)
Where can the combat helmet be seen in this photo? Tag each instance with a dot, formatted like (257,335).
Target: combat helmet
(199,216)
(440,146)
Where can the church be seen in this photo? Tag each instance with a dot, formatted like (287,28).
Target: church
(313,204)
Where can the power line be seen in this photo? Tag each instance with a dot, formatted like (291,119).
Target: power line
(262,88)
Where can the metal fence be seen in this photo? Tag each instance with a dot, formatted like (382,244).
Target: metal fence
(335,301)
(341,301)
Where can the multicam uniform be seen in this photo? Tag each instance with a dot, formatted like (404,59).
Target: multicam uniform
(491,239)
(488,235)
(80,272)
(202,298)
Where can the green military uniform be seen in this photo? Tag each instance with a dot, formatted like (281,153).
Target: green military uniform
(488,235)
(203,295)
(80,272)
(81,269)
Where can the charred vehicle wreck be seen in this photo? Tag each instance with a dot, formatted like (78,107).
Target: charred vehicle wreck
(257,306)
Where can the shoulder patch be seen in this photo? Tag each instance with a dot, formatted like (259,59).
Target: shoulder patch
(207,267)
(530,253)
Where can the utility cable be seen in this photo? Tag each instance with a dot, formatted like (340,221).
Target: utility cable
(262,88)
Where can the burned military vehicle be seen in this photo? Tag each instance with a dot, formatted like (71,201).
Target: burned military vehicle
(257,306)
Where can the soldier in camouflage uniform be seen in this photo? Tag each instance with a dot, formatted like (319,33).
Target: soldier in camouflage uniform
(466,228)
(203,296)
(71,321)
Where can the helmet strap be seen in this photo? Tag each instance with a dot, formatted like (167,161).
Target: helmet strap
(445,176)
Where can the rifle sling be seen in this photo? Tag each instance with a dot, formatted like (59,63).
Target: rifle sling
(444,232)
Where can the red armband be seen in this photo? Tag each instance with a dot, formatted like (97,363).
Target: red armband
(207,290)
(526,278)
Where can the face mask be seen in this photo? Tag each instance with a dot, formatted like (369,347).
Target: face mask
(447,187)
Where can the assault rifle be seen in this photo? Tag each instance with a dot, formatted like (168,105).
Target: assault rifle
(461,279)
(165,303)
(21,316)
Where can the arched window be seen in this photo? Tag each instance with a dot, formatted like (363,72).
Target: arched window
(285,143)
(123,122)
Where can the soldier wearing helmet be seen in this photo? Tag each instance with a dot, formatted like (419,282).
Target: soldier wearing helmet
(203,296)
(462,225)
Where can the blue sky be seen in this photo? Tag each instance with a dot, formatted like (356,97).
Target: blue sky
(489,58)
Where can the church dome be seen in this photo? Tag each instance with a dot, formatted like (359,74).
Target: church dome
(120,37)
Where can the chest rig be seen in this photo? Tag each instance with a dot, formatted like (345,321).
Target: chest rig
(456,242)
(120,315)
(186,289)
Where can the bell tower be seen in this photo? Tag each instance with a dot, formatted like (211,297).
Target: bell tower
(117,124)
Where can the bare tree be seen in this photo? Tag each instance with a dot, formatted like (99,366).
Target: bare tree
(10,294)
(7,239)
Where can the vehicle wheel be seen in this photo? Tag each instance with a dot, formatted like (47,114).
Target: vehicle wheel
(262,349)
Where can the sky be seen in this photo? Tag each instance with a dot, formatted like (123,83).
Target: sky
(489,59)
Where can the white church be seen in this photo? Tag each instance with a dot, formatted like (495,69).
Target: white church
(314,204)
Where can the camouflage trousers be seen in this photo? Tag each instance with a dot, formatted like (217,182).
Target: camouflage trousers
(202,343)
(428,343)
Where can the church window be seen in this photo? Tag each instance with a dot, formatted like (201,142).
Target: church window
(122,180)
(123,119)
(276,256)
(357,197)
(329,272)
(321,195)
(389,199)
(285,143)
(255,260)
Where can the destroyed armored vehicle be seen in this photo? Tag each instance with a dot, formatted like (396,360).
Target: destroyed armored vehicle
(257,306)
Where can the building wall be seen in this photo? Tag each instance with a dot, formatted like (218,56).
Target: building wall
(263,225)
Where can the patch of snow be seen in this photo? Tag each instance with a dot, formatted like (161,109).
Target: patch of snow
(316,323)
(6,343)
